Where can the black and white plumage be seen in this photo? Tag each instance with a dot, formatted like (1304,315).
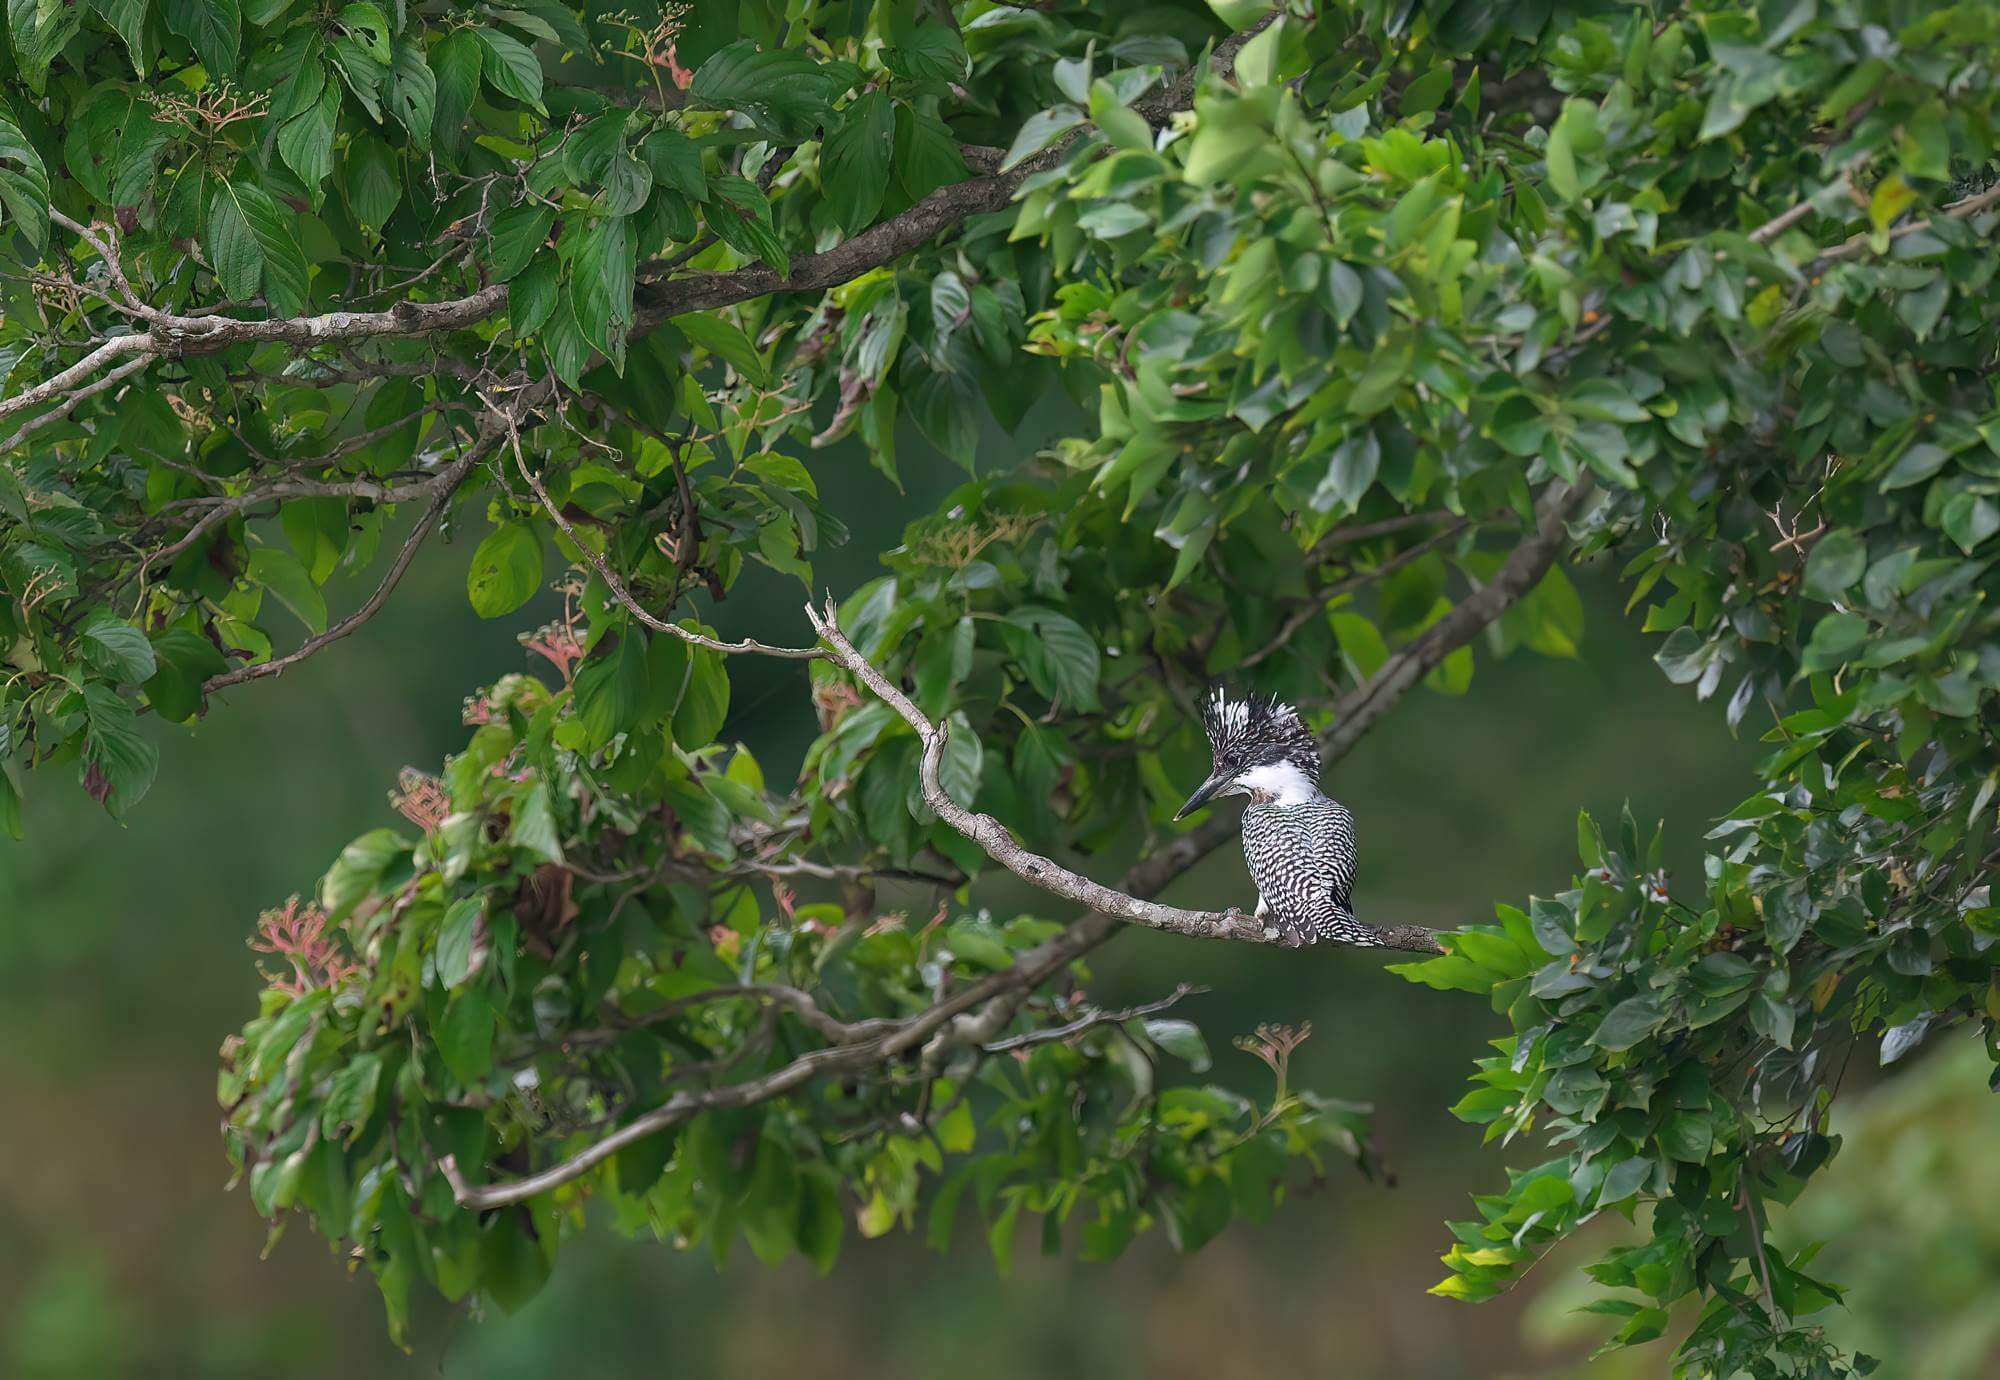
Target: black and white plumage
(1298,842)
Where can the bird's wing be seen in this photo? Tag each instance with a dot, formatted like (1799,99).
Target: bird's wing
(1333,841)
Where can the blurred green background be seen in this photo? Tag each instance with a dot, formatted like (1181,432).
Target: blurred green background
(122,966)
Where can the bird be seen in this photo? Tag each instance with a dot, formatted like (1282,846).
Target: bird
(1298,841)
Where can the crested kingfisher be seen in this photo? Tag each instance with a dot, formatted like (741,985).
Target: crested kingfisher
(1298,841)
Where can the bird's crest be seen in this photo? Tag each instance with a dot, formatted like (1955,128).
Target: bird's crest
(1256,730)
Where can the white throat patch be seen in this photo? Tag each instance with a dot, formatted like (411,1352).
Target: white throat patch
(1277,783)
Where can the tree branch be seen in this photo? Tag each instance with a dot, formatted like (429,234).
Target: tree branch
(1090,1021)
(69,402)
(69,378)
(447,485)
(171,335)
(994,838)
(624,596)
(976,1015)
(1958,210)
(1320,601)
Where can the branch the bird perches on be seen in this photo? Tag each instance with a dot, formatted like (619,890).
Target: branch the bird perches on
(1000,844)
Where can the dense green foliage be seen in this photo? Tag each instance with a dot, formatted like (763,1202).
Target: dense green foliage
(1363,308)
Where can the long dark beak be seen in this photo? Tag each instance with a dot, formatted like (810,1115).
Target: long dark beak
(1201,797)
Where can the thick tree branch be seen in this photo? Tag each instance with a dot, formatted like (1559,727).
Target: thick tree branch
(71,399)
(994,838)
(60,383)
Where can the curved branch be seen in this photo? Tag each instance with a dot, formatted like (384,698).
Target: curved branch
(624,596)
(446,486)
(993,837)
(1090,1021)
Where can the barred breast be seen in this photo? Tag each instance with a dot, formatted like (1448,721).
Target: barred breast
(1302,860)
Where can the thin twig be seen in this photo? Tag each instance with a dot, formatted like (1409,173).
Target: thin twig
(1090,1021)
(1958,210)
(624,596)
(451,480)
(1324,598)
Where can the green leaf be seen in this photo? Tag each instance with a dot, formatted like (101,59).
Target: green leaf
(213,27)
(457,936)
(465,1036)
(413,91)
(534,830)
(1924,148)
(1688,1136)
(10,806)
(285,576)
(24,184)
(119,761)
(770,1209)
(456,64)
(1121,124)
(39,29)
(518,233)
(821,1223)
(927,157)
(128,19)
(1196,1215)
(611,687)
(601,275)
(854,161)
(675,163)
(1892,197)
(1183,1040)
(1914,466)
(1773,1018)
(532,295)
(252,249)
(1562,164)
(512,68)
(374,181)
(929,51)
(506,570)
(305,141)
(1042,129)
(704,702)
(350,1096)
(1627,1023)
(355,872)
(1837,561)
(1069,653)
(185,660)
(119,650)
(1969,519)
(1835,640)
(783,91)
(1627,1177)
(741,218)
